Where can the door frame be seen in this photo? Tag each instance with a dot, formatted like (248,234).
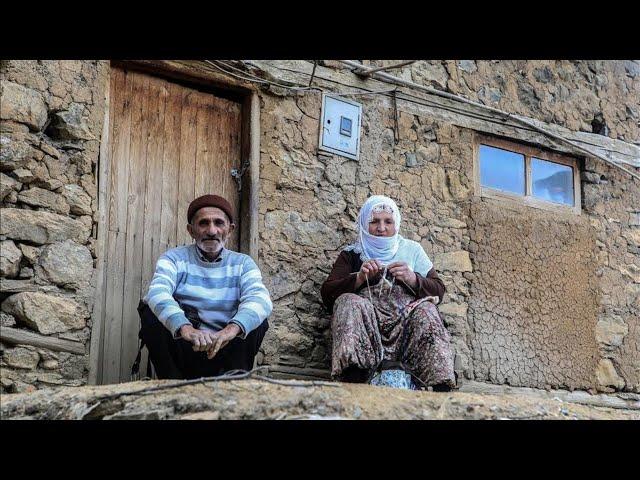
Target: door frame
(195,75)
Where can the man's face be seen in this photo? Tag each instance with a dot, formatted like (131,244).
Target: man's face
(210,228)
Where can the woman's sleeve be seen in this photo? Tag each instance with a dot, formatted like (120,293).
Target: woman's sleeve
(431,285)
(338,282)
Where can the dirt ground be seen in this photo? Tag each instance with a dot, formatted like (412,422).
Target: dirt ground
(259,398)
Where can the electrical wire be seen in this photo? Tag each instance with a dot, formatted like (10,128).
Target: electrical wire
(230,375)
(384,77)
(252,78)
(530,126)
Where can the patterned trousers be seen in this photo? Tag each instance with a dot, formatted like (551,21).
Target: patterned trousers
(376,325)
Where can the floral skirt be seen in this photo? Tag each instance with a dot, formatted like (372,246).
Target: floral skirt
(375,325)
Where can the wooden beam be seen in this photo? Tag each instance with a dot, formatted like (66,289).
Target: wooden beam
(193,73)
(365,72)
(17,336)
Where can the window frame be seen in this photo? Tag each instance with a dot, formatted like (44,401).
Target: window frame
(528,151)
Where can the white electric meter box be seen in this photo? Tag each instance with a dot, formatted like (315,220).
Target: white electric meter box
(340,127)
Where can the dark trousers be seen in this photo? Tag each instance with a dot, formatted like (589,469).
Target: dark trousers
(175,358)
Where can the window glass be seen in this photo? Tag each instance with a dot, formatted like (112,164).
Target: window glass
(502,170)
(552,181)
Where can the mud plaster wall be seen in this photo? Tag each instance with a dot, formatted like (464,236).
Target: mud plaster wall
(309,203)
(532,299)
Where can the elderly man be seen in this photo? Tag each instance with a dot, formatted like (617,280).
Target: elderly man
(206,310)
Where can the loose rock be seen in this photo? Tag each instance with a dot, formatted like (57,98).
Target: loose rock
(22,104)
(43,198)
(10,257)
(45,313)
(21,357)
(41,227)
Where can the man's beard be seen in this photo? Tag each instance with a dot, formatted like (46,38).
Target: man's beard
(211,247)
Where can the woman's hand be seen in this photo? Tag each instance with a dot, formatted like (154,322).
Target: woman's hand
(369,269)
(402,271)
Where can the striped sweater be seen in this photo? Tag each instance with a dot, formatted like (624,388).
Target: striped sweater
(229,289)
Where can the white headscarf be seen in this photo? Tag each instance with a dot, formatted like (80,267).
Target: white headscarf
(369,246)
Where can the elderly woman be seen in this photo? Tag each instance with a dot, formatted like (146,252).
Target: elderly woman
(382,290)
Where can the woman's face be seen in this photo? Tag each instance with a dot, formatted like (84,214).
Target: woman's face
(382,225)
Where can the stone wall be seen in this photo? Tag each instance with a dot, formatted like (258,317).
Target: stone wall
(51,121)
(533,298)
(310,202)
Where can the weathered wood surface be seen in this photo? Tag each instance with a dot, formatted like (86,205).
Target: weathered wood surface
(17,336)
(169,144)
(104,185)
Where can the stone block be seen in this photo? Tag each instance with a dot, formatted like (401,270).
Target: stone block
(39,197)
(66,263)
(468,66)
(41,227)
(10,257)
(30,253)
(23,105)
(45,313)
(6,320)
(7,185)
(21,357)
(607,375)
(78,199)
(611,331)
(71,124)
(453,261)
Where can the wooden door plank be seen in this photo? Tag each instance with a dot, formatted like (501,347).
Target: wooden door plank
(122,88)
(236,158)
(230,159)
(210,173)
(114,306)
(96,351)
(170,216)
(153,184)
(114,249)
(135,221)
(188,146)
(155,194)
(203,132)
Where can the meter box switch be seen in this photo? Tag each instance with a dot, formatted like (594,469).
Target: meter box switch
(340,131)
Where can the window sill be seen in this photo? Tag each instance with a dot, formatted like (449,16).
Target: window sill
(528,201)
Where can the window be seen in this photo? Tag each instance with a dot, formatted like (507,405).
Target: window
(539,178)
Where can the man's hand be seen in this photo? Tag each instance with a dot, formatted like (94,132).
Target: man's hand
(402,271)
(201,339)
(221,338)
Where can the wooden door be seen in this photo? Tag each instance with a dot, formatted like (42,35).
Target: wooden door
(168,144)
